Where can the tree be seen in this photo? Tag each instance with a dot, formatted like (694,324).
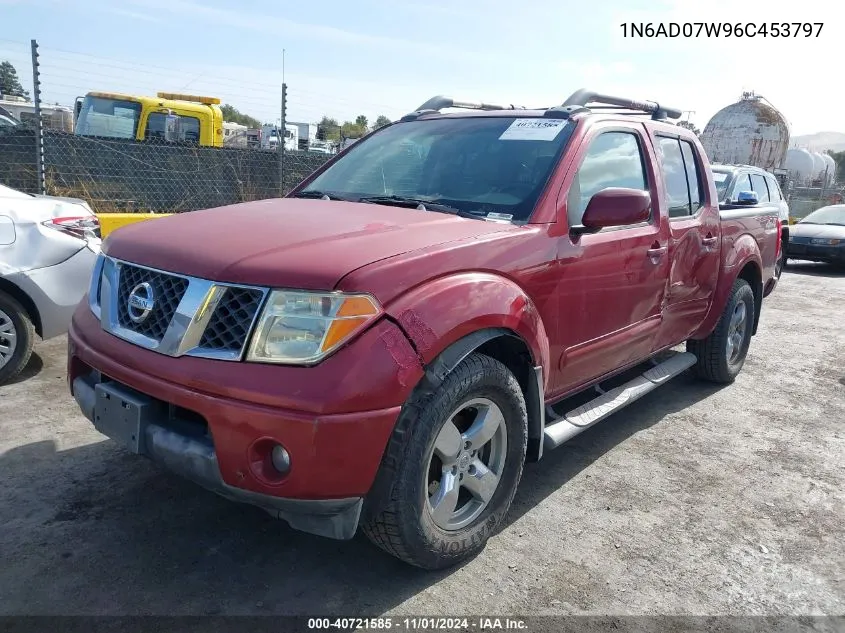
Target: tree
(232,115)
(381,121)
(353,130)
(361,121)
(328,129)
(688,125)
(9,83)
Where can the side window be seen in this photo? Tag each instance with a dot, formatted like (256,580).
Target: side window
(189,127)
(758,182)
(693,168)
(743,183)
(614,159)
(774,190)
(675,177)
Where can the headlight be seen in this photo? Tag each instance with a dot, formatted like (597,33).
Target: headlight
(301,328)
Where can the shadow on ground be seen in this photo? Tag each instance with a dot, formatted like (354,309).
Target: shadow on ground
(95,530)
(32,369)
(814,269)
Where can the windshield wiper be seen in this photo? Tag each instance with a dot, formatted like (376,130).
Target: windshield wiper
(400,201)
(319,194)
(834,224)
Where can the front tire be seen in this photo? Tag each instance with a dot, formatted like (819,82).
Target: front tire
(722,354)
(17,337)
(451,467)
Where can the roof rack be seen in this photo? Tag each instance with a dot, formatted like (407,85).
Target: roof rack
(436,104)
(577,102)
(658,112)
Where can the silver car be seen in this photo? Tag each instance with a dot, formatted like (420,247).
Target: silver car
(48,246)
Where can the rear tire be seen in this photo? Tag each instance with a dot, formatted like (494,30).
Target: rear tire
(17,336)
(451,467)
(722,354)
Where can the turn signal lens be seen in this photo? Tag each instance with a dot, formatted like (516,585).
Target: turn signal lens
(298,327)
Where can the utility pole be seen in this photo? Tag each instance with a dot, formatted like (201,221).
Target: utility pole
(39,123)
(283,130)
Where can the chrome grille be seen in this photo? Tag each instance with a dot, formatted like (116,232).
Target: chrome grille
(168,291)
(182,315)
(229,325)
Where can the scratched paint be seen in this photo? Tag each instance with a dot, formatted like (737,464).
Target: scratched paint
(422,335)
(407,362)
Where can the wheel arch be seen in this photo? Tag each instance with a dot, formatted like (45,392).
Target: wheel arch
(751,273)
(21,297)
(510,349)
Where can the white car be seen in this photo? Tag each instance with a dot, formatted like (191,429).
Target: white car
(48,246)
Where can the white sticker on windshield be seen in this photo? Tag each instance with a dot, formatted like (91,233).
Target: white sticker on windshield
(533,130)
(719,176)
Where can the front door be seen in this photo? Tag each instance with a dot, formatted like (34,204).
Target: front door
(612,281)
(694,243)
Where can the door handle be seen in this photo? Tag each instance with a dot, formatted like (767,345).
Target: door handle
(656,252)
(709,242)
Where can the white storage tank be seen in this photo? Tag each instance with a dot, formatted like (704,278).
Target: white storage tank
(818,166)
(831,169)
(800,165)
(748,132)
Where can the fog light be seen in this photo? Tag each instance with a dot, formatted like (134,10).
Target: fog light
(280,459)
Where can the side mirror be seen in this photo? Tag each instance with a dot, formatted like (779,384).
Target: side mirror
(172,128)
(748,198)
(615,206)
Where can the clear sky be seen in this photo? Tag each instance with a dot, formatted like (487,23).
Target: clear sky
(345,58)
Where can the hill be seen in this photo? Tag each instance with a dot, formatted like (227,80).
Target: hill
(820,141)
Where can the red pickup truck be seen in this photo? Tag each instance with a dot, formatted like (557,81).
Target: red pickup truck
(448,298)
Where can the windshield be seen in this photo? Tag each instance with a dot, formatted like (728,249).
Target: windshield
(826,215)
(478,165)
(108,117)
(721,178)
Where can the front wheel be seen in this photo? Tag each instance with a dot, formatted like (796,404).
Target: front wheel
(722,354)
(452,467)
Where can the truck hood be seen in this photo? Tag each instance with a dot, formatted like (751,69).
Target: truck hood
(288,242)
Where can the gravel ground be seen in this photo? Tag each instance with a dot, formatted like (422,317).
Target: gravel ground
(695,500)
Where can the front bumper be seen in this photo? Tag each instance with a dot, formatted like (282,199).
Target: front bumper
(203,418)
(816,253)
(193,456)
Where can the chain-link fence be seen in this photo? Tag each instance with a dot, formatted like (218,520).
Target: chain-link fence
(116,175)
(140,171)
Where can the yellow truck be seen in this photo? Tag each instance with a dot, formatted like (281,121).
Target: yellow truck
(167,117)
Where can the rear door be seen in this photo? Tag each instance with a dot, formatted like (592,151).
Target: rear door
(612,282)
(694,237)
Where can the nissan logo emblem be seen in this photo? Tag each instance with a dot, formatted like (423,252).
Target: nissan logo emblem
(141,302)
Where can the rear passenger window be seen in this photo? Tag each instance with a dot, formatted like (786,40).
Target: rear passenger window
(743,183)
(675,177)
(693,169)
(774,190)
(614,159)
(758,183)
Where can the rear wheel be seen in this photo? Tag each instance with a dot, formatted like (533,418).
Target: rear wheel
(722,354)
(16,338)
(451,467)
